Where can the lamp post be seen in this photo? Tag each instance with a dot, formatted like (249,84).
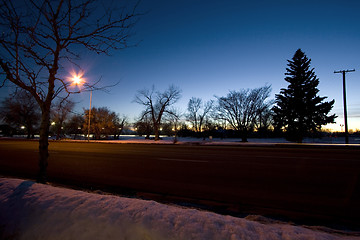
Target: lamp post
(89,115)
(78,80)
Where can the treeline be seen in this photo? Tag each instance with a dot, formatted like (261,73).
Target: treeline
(22,116)
(238,114)
(201,119)
(296,112)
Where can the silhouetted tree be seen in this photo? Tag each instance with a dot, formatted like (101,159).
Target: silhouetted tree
(298,107)
(197,112)
(103,122)
(7,130)
(74,125)
(144,126)
(173,122)
(241,108)
(120,124)
(21,109)
(265,120)
(60,113)
(167,129)
(38,37)
(157,104)
(184,131)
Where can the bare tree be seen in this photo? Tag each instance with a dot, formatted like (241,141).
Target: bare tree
(157,104)
(241,108)
(60,113)
(197,112)
(74,125)
(38,37)
(173,120)
(265,118)
(20,109)
(104,122)
(144,126)
(120,123)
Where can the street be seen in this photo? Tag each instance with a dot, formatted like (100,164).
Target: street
(305,184)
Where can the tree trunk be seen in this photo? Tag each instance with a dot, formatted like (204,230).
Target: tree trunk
(244,135)
(58,131)
(44,144)
(28,134)
(156,132)
(29,129)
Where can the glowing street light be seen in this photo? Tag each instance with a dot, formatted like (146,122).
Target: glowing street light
(77,78)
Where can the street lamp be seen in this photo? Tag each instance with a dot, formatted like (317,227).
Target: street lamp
(77,79)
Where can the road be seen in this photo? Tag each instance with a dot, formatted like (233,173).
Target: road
(314,185)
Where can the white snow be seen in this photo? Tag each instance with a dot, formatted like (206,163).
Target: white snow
(225,141)
(35,211)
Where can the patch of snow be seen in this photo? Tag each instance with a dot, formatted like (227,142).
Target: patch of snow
(35,211)
(223,141)
(354,141)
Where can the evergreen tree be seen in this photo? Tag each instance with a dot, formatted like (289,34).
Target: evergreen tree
(298,108)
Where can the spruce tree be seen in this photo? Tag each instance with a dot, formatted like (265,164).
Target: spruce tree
(298,109)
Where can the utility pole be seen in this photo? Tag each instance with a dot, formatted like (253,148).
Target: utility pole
(344,95)
(89,115)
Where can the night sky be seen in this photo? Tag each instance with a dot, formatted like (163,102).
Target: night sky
(207,48)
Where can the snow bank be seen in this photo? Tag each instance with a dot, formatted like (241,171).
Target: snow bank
(34,211)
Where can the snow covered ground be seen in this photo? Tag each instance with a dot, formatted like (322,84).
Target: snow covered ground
(354,141)
(34,211)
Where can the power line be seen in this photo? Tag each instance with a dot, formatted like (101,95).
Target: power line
(345,110)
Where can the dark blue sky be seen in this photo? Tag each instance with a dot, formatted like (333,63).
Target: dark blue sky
(210,47)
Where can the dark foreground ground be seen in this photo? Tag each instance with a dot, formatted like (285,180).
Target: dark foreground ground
(304,184)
